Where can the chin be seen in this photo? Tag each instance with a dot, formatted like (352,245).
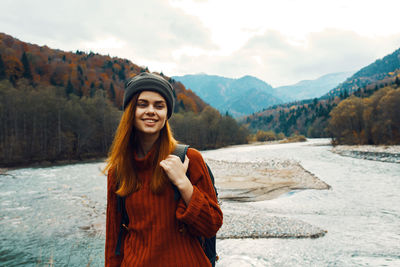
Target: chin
(151,131)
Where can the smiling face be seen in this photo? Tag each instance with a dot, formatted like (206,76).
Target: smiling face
(151,113)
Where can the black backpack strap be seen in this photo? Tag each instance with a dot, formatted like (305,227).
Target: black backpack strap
(124,223)
(212,179)
(180,151)
(208,244)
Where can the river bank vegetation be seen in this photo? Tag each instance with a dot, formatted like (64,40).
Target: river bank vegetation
(65,106)
(42,124)
(372,123)
(369,115)
(371,120)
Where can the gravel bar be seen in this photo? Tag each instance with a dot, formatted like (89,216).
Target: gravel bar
(248,222)
(370,152)
(241,183)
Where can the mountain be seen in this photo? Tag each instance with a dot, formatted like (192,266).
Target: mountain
(63,106)
(81,74)
(380,70)
(238,97)
(372,89)
(308,89)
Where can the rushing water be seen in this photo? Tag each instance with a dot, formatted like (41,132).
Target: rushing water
(56,215)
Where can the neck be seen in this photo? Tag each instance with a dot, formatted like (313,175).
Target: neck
(145,143)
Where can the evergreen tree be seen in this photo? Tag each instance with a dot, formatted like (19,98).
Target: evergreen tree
(92,91)
(2,69)
(112,92)
(121,73)
(69,89)
(79,69)
(346,94)
(397,81)
(27,67)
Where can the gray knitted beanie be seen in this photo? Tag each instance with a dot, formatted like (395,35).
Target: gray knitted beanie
(150,82)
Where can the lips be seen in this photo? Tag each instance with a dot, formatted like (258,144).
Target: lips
(149,121)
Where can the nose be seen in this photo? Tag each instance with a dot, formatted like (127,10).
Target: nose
(150,109)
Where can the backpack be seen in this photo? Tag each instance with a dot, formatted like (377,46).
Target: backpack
(208,244)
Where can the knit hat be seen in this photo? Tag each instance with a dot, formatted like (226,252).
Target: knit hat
(150,82)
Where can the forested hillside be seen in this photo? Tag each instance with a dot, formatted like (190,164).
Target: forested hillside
(57,105)
(78,73)
(313,117)
(371,120)
(367,117)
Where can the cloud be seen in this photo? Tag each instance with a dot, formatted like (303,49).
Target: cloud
(149,29)
(50,22)
(165,37)
(279,60)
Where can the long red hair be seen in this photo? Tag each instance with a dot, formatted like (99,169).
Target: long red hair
(121,156)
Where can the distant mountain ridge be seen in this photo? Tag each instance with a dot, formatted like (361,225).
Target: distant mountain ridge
(310,117)
(308,89)
(249,94)
(238,97)
(376,71)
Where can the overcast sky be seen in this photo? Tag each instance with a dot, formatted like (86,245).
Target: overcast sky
(278,41)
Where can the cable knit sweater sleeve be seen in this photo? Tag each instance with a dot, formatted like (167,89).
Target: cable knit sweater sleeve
(203,216)
(113,222)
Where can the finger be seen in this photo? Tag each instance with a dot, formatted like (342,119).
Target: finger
(162,164)
(172,159)
(186,163)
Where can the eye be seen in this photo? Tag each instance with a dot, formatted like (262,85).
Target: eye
(160,106)
(142,104)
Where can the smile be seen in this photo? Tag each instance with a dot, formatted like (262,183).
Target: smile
(150,122)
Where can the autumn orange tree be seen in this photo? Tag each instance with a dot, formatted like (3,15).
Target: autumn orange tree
(347,123)
(372,120)
(387,126)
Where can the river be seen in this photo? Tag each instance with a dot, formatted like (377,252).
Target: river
(55,215)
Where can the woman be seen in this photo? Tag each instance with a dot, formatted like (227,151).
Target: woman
(161,231)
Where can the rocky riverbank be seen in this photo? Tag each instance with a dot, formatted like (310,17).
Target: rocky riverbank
(3,171)
(240,183)
(256,181)
(370,152)
(245,221)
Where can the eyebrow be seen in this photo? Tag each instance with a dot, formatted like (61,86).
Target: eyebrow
(157,102)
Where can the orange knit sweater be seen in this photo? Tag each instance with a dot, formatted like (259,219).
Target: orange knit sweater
(162,231)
